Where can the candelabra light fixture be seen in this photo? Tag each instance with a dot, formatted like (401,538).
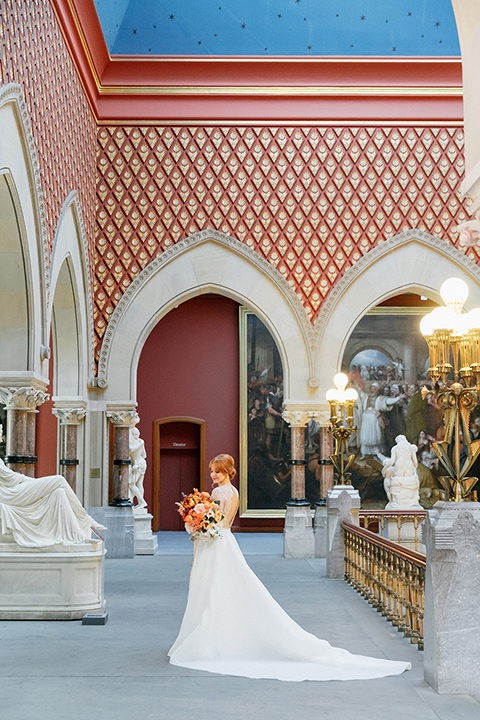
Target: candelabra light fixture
(453,340)
(341,403)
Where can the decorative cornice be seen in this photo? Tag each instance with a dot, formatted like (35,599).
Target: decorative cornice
(296,418)
(207,235)
(13,93)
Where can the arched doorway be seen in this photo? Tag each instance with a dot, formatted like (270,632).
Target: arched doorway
(178,465)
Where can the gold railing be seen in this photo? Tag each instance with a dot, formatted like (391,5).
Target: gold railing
(389,576)
(381,522)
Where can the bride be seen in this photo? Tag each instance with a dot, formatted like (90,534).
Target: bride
(233,626)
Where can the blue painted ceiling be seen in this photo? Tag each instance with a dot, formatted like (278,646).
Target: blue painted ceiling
(279,27)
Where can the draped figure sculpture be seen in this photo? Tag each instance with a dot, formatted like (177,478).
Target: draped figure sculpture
(401,479)
(39,512)
(138,468)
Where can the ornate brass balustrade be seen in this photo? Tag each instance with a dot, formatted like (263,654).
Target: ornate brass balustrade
(389,576)
(380,521)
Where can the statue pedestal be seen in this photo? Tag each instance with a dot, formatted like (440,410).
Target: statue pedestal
(119,530)
(451,534)
(146,542)
(298,541)
(60,582)
(343,503)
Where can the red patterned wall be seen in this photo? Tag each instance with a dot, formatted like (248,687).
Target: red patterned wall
(34,54)
(312,200)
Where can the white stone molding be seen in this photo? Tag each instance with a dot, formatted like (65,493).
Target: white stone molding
(13,93)
(85,292)
(125,418)
(436,244)
(160,262)
(24,398)
(469,232)
(70,416)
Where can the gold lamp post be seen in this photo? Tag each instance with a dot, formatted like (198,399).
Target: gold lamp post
(341,403)
(453,342)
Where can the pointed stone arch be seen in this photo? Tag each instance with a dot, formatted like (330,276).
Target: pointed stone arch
(28,247)
(207,262)
(70,315)
(413,261)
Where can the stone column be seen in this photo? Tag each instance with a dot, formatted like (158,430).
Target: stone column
(21,404)
(325,478)
(123,421)
(69,419)
(298,532)
(451,535)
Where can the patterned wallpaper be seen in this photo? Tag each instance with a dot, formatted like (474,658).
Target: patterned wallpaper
(33,53)
(311,200)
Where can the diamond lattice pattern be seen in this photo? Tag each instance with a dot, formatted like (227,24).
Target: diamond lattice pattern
(312,201)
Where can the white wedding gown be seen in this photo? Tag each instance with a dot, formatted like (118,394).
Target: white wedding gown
(233,626)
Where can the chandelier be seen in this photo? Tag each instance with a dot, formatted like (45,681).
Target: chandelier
(341,403)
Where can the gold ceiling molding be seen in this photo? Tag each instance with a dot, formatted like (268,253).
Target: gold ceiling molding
(327,90)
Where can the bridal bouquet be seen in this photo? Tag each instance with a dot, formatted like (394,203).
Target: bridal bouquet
(201,515)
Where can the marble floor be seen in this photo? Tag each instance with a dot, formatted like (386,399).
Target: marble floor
(53,670)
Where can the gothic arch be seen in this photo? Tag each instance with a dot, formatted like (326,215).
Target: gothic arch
(70,311)
(207,262)
(23,212)
(412,261)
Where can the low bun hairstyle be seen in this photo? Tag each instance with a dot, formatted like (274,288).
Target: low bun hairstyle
(224,464)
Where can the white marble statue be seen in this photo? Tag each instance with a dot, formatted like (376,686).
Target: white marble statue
(401,480)
(40,512)
(138,456)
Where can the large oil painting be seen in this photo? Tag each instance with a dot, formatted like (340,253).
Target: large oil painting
(386,360)
(265,471)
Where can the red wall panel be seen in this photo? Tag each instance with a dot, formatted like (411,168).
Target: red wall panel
(189,366)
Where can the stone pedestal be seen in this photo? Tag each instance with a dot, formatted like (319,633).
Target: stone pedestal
(120,530)
(320,530)
(61,582)
(451,535)
(146,542)
(298,540)
(343,503)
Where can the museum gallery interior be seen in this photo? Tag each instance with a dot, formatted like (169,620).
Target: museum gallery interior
(205,218)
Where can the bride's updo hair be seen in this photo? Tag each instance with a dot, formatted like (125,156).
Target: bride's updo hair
(224,464)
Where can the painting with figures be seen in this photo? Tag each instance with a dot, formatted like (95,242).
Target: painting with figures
(386,360)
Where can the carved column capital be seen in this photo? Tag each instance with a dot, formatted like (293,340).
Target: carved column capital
(23,398)
(296,418)
(70,416)
(123,418)
(322,417)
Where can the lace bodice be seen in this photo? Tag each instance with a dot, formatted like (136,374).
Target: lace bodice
(227,496)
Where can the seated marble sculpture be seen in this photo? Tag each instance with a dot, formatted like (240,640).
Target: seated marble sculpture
(401,479)
(38,512)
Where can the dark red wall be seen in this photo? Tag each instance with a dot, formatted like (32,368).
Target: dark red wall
(46,440)
(189,366)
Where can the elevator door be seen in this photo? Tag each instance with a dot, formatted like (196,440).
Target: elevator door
(179,469)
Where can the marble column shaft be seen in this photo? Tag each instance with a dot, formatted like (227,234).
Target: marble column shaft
(122,421)
(298,464)
(21,406)
(69,419)
(325,466)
